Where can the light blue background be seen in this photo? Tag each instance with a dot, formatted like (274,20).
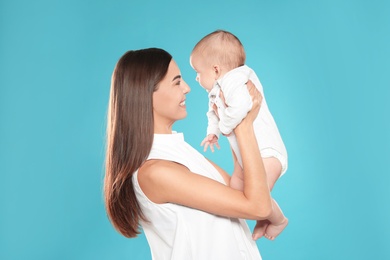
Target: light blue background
(325,69)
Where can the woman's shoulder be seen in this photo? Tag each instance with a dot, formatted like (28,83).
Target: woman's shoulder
(157,166)
(156,172)
(156,177)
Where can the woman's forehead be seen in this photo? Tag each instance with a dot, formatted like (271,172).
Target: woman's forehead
(173,70)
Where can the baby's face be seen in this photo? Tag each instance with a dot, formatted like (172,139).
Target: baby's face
(205,73)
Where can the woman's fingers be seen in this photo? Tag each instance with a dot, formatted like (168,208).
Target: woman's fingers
(254,92)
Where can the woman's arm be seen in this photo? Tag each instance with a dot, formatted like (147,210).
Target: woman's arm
(255,184)
(169,182)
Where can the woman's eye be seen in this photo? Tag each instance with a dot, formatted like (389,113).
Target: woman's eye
(178,82)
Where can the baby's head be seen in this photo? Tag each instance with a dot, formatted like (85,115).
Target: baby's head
(214,55)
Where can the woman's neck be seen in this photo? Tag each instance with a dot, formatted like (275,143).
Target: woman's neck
(163,129)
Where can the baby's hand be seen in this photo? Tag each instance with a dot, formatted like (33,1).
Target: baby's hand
(210,141)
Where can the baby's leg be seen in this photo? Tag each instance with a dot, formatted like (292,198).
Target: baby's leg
(273,169)
(237,179)
(277,222)
(259,230)
(272,231)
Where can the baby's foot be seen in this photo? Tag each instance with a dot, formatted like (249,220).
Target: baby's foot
(272,231)
(259,229)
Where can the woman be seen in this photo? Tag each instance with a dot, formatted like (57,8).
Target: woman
(153,177)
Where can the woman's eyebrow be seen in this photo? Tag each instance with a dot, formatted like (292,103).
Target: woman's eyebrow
(176,77)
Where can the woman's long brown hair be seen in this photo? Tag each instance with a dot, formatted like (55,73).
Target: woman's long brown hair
(130,130)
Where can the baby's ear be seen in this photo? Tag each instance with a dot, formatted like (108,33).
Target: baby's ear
(217,71)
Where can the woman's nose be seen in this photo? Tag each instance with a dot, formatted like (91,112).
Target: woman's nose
(186,88)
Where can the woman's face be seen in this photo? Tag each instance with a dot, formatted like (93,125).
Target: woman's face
(169,98)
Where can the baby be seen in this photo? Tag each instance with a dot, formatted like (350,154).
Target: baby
(219,61)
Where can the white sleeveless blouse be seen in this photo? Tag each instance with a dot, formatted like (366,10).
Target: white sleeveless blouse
(183,233)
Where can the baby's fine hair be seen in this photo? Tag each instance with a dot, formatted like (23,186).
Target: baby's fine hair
(222,47)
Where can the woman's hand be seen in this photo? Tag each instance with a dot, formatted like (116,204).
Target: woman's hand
(256,100)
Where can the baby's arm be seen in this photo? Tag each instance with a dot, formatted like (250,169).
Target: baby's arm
(212,131)
(212,122)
